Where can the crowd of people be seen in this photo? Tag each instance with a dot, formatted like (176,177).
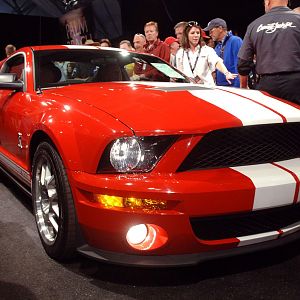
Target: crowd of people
(215,56)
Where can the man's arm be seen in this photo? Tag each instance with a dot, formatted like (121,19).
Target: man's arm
(243,81)
(244,68)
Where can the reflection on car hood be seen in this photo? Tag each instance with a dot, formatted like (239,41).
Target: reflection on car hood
(171,107)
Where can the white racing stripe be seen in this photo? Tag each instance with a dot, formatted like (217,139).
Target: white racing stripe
(242,107)
(294,166)
(292,114)
(257,238)
(249,112)
(273,186)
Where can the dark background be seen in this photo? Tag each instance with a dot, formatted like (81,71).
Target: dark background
(22,30)
(237,13)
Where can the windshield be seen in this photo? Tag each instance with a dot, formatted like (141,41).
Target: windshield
(74,66)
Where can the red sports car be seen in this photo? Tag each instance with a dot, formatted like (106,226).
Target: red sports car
(129,162)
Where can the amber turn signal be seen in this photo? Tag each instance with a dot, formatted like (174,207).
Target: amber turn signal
(134,203)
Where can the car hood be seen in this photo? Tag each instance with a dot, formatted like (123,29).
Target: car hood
(166,108)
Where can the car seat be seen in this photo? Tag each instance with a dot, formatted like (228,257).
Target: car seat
(49,74)
(109,72)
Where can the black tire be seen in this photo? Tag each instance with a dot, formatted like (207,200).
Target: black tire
(53,204)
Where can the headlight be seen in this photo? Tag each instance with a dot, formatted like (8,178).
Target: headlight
(134,154)
(125,154)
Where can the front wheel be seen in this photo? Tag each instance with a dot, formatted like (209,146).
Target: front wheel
(53,204)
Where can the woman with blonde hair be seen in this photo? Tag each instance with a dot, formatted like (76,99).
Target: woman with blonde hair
(198,61)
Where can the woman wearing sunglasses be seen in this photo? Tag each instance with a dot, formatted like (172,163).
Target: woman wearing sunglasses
(198,61)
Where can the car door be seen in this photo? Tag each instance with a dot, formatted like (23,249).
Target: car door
(11,111)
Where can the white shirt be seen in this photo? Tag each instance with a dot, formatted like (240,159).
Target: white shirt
(186,60)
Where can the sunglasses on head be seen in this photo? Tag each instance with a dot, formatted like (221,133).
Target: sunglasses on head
(192,23)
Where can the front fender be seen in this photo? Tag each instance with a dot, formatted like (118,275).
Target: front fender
(80,133)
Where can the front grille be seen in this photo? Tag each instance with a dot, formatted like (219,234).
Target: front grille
(242,146)
(237,225)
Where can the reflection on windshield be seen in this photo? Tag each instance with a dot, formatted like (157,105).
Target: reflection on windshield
(73,66)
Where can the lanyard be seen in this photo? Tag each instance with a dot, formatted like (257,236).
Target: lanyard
(223,44)
(193,68)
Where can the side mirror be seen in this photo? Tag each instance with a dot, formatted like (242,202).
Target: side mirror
(9,81)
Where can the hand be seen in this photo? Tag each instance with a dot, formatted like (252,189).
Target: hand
(135,77)
(230,76)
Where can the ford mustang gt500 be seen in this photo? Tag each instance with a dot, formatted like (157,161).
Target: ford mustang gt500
(129,162)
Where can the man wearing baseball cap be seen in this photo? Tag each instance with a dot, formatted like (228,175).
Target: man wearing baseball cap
(227,47)
(215,23)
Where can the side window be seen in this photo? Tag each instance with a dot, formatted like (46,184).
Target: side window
(15,65)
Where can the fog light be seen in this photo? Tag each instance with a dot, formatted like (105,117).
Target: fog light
(146,237)
(137,234)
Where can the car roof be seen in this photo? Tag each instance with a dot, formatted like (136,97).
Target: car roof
(60,47)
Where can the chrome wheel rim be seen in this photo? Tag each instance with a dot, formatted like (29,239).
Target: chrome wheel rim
(47,211)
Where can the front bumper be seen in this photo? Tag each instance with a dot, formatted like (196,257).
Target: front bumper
(198,194)
(183,260)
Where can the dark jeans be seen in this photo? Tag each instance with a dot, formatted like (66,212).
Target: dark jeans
(281,85)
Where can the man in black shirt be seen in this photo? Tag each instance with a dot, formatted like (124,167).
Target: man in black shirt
(275,40)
